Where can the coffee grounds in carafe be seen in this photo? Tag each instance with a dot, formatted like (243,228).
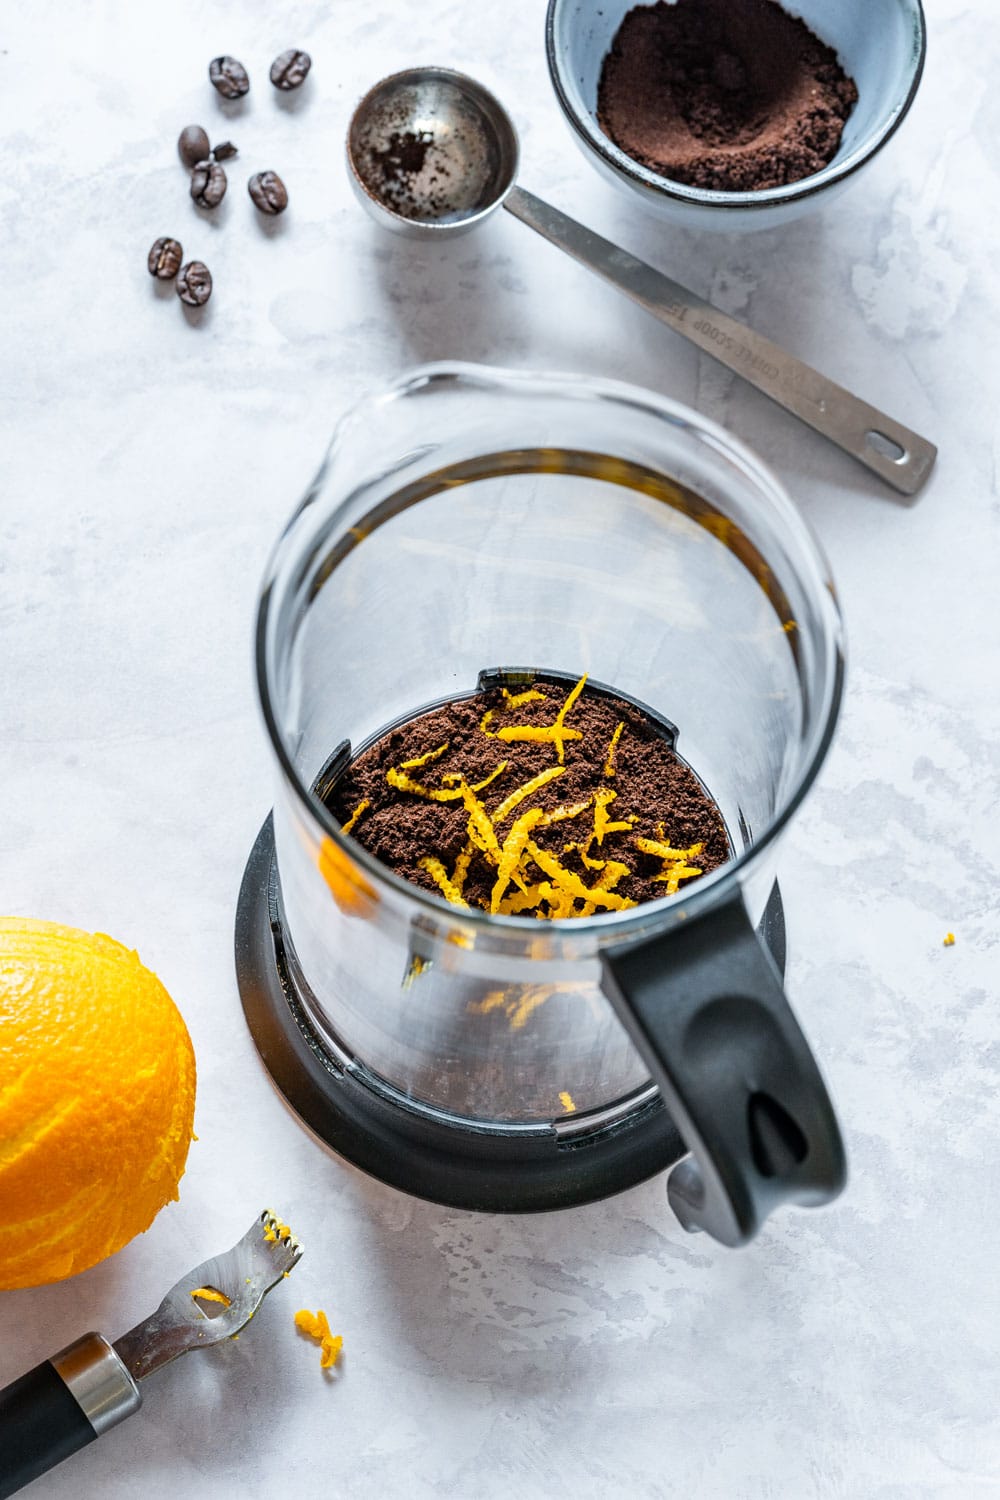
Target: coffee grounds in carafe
(545,802)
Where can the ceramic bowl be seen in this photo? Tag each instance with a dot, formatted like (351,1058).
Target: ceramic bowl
(881,45)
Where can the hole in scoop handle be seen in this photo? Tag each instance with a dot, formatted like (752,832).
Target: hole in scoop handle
(705,1007)
(902,458)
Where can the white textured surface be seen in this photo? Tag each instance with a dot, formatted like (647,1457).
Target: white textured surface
(147,463)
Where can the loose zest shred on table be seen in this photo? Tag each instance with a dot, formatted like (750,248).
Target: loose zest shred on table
(949,940)
(531,880)
(315,1326)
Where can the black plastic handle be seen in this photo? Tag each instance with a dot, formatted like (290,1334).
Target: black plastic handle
(705,1007)
(41,1423)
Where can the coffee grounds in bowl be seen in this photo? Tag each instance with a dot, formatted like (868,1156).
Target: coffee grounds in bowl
(731,95)
(592,810)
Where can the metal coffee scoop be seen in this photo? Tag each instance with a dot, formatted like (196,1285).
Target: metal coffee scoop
(432,153)
(67,1401)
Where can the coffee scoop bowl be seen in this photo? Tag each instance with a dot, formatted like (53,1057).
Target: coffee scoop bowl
(431,153)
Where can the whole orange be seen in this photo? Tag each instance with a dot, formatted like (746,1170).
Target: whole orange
(97,1081)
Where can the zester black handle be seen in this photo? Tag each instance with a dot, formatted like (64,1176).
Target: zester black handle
(705,1007)
(59,1407)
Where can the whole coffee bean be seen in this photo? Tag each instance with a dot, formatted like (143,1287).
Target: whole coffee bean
(192,145)
(289,70)
(268,192)
(229,77)
(208,184)
(223,151)
(165,258)
(194,284)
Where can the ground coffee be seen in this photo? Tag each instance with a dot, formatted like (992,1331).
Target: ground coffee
(648,797)
(734,95)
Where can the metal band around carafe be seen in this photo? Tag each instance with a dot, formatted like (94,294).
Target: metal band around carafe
(100,1383)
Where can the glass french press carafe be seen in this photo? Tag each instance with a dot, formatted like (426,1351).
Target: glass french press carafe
(469,521)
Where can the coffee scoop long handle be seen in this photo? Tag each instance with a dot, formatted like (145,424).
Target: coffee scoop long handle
(903,459)
(59,1407)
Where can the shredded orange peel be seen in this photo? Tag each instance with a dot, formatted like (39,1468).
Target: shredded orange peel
(528,789)
(210,1294)
(450,792)
(439,875)
(278,1232)
(602,823)
(514,846)
(530,695)
(609,759)
(425,760)
(675,861)
(529,879)
(352,821)
(315,1326)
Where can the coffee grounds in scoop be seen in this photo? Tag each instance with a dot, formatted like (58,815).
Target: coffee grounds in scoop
(651,786)
(731,95)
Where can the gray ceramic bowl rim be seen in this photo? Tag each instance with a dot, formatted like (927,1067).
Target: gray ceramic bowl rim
(623,164)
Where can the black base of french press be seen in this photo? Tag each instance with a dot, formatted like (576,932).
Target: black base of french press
(462,1166)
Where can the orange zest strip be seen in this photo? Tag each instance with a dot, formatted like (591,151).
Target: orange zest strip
(513,847)
(485,720)
(361,808)
(664,851)
(461,869)
(568,734)
(480,828)
(566,881)
(583,849)
(522,900)
(518,795)
(403,783)
(209,1294)
(439,875)
(560,814)
(609,762)
(614,871)
(530,1001)
(425,760)
(514,700)
(675,874)
(493,1001)
(602,823)
(540,734)
(452,778)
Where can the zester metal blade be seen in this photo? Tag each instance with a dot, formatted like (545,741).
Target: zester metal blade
(243,1276)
